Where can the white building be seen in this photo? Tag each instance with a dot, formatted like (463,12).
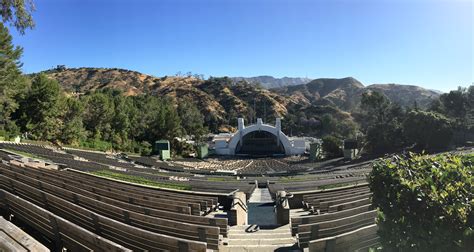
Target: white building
(259,139)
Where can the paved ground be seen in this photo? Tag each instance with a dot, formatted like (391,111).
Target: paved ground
(265,240)
(260,195)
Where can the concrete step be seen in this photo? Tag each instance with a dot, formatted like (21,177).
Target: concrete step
(259,235)
(261,231)
(269,241)
(259,248)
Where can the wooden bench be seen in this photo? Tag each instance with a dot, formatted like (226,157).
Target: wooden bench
(207,234)
(167,205)
(314,198)
(126,235)
(356,240)
(12,238)
(307,232)
(206,201)
(16,173)
(349,205)
(327,203)
(296,221)
(195,203)
(59,231)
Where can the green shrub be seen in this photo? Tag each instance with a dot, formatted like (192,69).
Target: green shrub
(425,202)
(96,144)
(428,130)
(332,146)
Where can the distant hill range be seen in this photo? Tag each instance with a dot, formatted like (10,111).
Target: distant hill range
(345,93)
(223,100)
(272,82)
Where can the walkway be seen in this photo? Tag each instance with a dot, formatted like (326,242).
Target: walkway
(260,195)
(264,240)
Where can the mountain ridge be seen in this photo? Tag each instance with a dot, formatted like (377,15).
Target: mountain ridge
(223,99)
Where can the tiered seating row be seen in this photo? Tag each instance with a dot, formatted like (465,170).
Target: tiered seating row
(174,228)
(324,202)
(119,226)
(12,238)
(339,211)
(50,154)
(357,240)
(100,158)
(58,230)
(141,201)
(195,201)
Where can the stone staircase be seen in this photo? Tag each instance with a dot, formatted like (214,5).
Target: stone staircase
(278,238)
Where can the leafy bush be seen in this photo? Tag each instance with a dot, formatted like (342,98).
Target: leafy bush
(428,130)
(425,202)
(332,146)
(96,144)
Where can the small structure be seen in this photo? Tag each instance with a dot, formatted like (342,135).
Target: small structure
(315,151)
(202,151)
(350,148)
(162,147)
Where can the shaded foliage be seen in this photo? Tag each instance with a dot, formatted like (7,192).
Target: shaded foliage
(332,146)
(18,13)
(425,202)
(428,130)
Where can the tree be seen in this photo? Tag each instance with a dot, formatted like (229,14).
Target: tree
(98,115)
(428,130)
(73,131)
(42,108)
(12,83)
(382,123)
(455,105)
(18,13)
(121,122)
(332,146)
(192,120)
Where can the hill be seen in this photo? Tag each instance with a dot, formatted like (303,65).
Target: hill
(345,93)
(406,95)
(272,82)
(222,100)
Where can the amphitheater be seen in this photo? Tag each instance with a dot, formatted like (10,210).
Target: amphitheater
(58,199)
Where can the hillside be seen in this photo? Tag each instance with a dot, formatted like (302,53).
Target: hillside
(406,95)
(222,100)
(345,93)
(272,82)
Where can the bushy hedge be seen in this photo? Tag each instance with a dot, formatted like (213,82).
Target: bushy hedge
(428,130)
(332,146)
(425,202)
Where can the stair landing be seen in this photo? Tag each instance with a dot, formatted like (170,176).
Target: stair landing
(268,239)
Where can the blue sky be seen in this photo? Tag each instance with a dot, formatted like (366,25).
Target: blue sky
(422,42)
